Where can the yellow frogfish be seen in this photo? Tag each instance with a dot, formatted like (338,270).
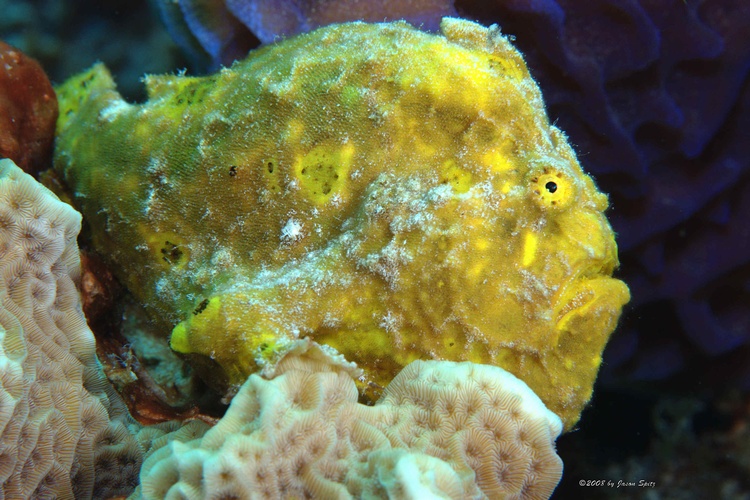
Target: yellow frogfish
(392,194)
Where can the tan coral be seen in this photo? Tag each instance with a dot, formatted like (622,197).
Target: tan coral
(441,429)
(62,429)
(478,418)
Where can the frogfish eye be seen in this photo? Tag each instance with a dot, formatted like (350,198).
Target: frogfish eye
(552,189)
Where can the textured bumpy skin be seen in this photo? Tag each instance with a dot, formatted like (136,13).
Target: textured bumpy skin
(224,30)
(393,194)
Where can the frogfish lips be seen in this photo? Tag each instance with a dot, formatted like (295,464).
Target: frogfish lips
(588,310)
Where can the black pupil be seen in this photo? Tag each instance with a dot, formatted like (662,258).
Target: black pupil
(551,187)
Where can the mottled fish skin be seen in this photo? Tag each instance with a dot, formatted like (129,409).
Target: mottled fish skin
(393,194)
(217,32)
(271,20)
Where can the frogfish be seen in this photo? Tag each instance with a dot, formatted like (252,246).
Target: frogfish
(387,193)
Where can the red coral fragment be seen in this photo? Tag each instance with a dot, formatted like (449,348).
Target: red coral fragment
(99,291)
(28,111)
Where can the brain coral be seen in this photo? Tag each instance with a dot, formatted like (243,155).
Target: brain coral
(390,193)
(441,430)
(63,432)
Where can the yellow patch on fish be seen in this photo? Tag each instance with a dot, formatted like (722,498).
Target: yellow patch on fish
(394,194)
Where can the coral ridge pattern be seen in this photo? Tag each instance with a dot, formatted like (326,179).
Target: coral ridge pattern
(441,430)
(64,432)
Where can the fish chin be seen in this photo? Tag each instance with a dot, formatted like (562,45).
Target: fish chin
(587,313)
(590,308)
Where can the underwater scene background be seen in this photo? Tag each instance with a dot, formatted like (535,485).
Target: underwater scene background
(654,98)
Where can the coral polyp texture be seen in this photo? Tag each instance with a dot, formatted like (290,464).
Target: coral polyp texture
(392,194)
(63,432)
(441,430)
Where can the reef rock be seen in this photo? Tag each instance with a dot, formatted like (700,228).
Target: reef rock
(392,194)
(28,111)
